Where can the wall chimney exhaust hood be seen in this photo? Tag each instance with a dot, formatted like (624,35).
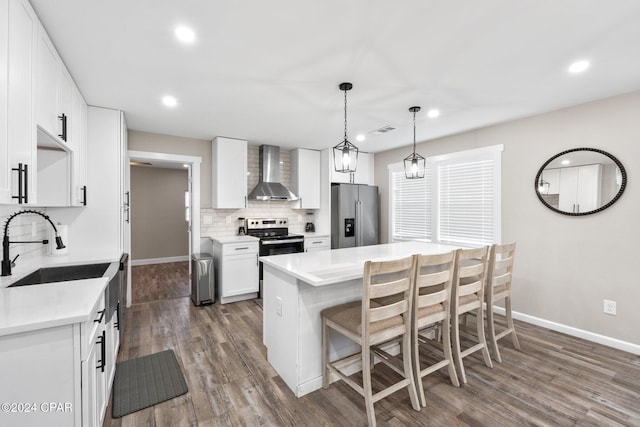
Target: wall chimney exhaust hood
(269,186)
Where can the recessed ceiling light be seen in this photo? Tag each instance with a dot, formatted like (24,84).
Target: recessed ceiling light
(565,162)
(433,113)
(185,165)
(579,67)
(169,101)
(361,137)
(185,34)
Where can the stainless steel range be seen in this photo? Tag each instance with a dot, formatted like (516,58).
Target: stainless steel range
(274,237)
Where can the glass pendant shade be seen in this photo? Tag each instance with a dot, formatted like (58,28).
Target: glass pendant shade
(543,186)
(345,154)
(414,163)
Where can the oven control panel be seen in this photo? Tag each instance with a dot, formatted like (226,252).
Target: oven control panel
(253,223)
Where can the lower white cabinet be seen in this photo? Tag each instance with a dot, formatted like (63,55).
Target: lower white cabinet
(319,243)
(55,376)
(236,270)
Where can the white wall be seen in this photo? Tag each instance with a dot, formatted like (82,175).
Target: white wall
(565,266)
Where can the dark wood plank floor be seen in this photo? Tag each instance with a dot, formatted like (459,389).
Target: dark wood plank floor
(556,380)
(159,282)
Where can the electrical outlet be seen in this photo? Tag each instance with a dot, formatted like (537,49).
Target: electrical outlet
(609,307)
(279,306)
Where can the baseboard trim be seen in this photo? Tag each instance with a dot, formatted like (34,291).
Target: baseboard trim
(148,261)
(574,332)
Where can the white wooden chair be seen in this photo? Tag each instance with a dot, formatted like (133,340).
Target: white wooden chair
(499,278)
(467,296)
(374,320)
(431,307)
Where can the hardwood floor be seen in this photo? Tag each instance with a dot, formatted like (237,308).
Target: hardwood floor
(556,380)
(159,281)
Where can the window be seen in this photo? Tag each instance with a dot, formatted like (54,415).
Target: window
(458,202)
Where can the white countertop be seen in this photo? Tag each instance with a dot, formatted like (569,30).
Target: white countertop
(234,239)
(309,235)
(28,308)
(340,265)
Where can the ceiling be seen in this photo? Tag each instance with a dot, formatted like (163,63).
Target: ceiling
(268,71)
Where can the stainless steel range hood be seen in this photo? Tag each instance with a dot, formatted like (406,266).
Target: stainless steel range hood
(269,187)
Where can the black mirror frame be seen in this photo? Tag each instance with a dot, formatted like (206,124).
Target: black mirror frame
(612,201)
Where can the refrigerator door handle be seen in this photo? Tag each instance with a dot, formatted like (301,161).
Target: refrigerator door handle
(358,223)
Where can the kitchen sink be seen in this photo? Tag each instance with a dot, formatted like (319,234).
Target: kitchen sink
(62,274)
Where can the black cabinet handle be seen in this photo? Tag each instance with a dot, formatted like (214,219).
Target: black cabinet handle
(103,351)
(84,195)
(126,203)
(99,319)
(117,323)
(63,135)
(23,183)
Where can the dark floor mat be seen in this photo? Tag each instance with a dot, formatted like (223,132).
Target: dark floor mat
(145,381)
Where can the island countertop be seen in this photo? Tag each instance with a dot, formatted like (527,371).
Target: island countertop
(338,265)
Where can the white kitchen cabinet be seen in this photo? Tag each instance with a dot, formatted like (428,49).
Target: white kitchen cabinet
(305,178)
(580,188)
(57,365)
(236,269)
(17,127)
(364,173)
(319,243)
(229,172)
(79,145)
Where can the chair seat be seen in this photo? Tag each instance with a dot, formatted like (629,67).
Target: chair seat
(427,315)
(349,316)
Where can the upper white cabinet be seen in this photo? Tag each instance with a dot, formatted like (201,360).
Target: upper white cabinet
(18,154)
(580,188)
(79,144)
(363,174)
(229,172)
(54,90)
(305,178)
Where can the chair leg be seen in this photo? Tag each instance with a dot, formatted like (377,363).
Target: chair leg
(455,345)
(325,354)
(510,325)
(415,360)
(482,338)
(446,347)
(408,372)
(366,385)
(492,334)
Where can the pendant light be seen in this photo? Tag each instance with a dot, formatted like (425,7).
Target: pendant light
(414,164)
(543,186)
(345,154)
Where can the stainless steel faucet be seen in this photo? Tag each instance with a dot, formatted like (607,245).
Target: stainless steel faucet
(7,262)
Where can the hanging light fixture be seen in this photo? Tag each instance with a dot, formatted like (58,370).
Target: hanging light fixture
(345,154)
(543,186)
(414,163)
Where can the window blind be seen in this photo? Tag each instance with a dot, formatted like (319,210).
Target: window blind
(466,208)
(411,207)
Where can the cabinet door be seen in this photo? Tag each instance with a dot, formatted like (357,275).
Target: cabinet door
(229,172)
(64,105)
(305,178)
(89,388)
(589,188)
(240,274)
(79,142)
(5,166)
(21,134)
(568,187)
(362,175)
(47,82)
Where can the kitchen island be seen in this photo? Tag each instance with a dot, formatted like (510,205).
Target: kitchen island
(297,287)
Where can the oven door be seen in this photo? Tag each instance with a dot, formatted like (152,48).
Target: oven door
(279,247)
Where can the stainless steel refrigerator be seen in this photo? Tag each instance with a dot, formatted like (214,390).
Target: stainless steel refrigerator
(354,215)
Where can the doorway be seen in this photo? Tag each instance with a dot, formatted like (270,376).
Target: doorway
(165,222)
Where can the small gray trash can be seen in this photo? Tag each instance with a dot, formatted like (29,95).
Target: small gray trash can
(202,279)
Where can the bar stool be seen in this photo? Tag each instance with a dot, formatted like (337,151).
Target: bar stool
(499,277)
(374,320)
(431,307)
(467,296)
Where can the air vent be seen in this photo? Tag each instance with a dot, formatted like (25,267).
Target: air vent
(383,129)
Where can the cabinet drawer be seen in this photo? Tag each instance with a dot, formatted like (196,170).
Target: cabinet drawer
(239,248)
(89,329)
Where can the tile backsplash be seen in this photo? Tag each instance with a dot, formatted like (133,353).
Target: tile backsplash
(224,222)
(25,227)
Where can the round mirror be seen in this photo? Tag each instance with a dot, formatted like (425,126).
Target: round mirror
(580,181)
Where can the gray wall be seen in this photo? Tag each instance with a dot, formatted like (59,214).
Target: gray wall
(158,228)
(169,144)
(565,266)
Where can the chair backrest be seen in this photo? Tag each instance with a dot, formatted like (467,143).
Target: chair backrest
(470,273)
(390,284)
(500,270)
(434,275)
